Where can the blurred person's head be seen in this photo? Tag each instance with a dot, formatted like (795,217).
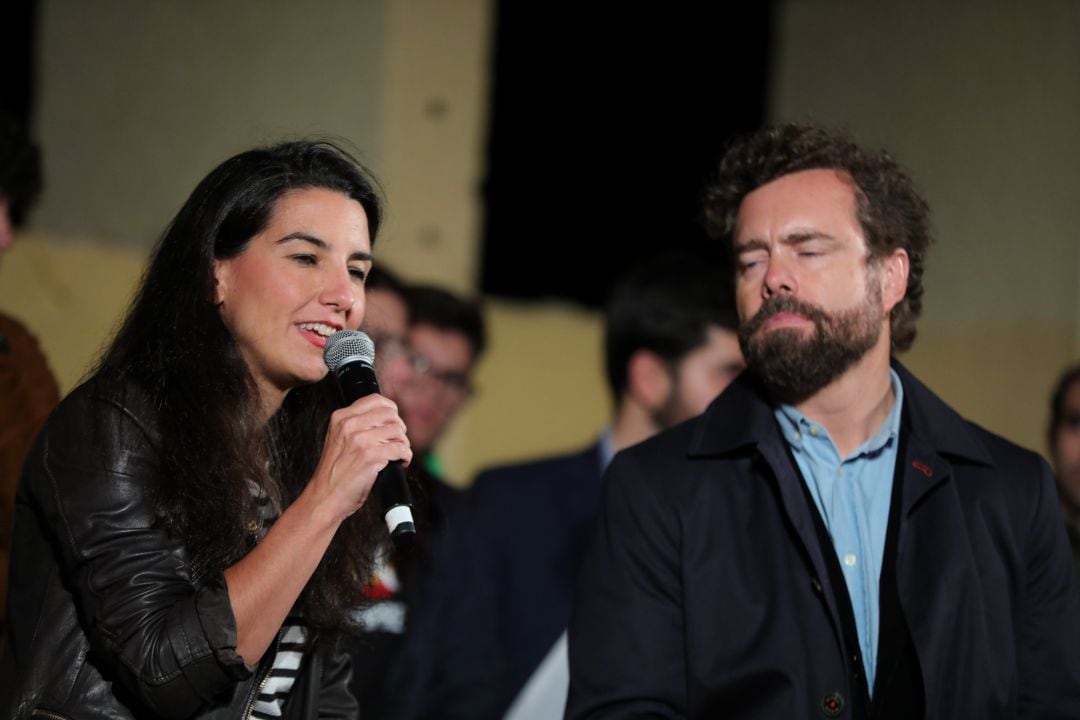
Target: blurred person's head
(446,337)
(1063,438)
(670,337)
(387,316)
(386,321)
(20,178)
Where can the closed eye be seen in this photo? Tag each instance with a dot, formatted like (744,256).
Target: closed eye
(304,259)
(747,263)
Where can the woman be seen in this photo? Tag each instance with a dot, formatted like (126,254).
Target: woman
(187,519)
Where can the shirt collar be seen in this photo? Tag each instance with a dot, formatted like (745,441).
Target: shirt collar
(607,448)
(796,426)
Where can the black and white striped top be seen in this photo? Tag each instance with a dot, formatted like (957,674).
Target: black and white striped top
(277,684)
(292,640)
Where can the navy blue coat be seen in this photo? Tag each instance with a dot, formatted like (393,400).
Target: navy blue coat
(502,593)
(705,594)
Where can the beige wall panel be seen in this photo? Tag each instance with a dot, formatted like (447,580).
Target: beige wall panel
(139,100)
(70,294)
(435,120)
(1007,390)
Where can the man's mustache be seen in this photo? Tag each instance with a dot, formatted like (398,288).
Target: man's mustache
(782,304)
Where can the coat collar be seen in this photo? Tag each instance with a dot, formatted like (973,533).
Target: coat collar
(742,416)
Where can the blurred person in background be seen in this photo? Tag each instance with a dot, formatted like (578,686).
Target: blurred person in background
(1063,440)
(28,390)
(445,341)
(380,616)
(427,341)
(386,321)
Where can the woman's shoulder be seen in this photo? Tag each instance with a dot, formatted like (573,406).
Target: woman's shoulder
(106,419)
(103,395)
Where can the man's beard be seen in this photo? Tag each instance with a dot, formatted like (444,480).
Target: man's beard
(795,367)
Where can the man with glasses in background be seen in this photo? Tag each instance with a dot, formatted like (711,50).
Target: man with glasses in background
(446,337)
(427,341)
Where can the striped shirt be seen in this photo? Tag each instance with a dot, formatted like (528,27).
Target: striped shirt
(278,683)
(292,639)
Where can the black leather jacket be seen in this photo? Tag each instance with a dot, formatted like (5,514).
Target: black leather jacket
(105,617)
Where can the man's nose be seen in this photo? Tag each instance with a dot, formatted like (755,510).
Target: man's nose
(779,279)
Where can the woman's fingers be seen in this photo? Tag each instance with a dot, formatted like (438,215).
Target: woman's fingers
(361,440)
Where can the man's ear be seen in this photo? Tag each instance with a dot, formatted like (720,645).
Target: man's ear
(648,379)
(894,278)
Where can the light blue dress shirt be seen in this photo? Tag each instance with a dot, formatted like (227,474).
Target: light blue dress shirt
(853,495)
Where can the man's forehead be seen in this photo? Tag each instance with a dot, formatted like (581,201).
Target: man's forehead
(798,203)
(386,314)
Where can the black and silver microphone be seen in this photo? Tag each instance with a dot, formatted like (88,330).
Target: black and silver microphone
(350,355)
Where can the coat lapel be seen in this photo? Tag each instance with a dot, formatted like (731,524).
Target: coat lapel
(741,422)
(937,575)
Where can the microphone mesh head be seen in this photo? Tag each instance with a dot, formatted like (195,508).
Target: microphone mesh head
(346,346)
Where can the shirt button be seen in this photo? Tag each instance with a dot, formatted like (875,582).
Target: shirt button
(795,437)
(813,430)
(832,704)
(840,471)
(849,559)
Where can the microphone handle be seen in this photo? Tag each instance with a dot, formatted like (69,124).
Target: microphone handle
(357,380)
(392,491)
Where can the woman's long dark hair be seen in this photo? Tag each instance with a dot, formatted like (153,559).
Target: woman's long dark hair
(174,344)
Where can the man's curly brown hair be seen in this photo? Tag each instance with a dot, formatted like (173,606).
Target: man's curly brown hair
(889,209)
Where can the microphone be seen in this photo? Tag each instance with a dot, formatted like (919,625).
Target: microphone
(350,355)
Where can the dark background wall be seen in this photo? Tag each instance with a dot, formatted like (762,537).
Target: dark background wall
(17,41)
(604,125)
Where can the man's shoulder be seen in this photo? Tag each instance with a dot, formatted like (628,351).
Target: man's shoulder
(738,418)
(1007,458)
(540,471)
(661,466)
(956,437)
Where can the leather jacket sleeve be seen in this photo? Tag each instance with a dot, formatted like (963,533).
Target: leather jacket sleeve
(166,638)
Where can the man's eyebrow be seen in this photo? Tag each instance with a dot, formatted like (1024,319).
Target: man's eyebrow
(802,236)
(321,244)
(751,244)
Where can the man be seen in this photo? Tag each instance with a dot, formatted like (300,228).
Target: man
(829,538)
(1063,439)
(386,309)
(446,339)
(28,390)
(427,343)
(376,652)
(671,347)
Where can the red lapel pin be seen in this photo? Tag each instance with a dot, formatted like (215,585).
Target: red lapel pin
(922,467)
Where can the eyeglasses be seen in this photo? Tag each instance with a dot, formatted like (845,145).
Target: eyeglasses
(454,384)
